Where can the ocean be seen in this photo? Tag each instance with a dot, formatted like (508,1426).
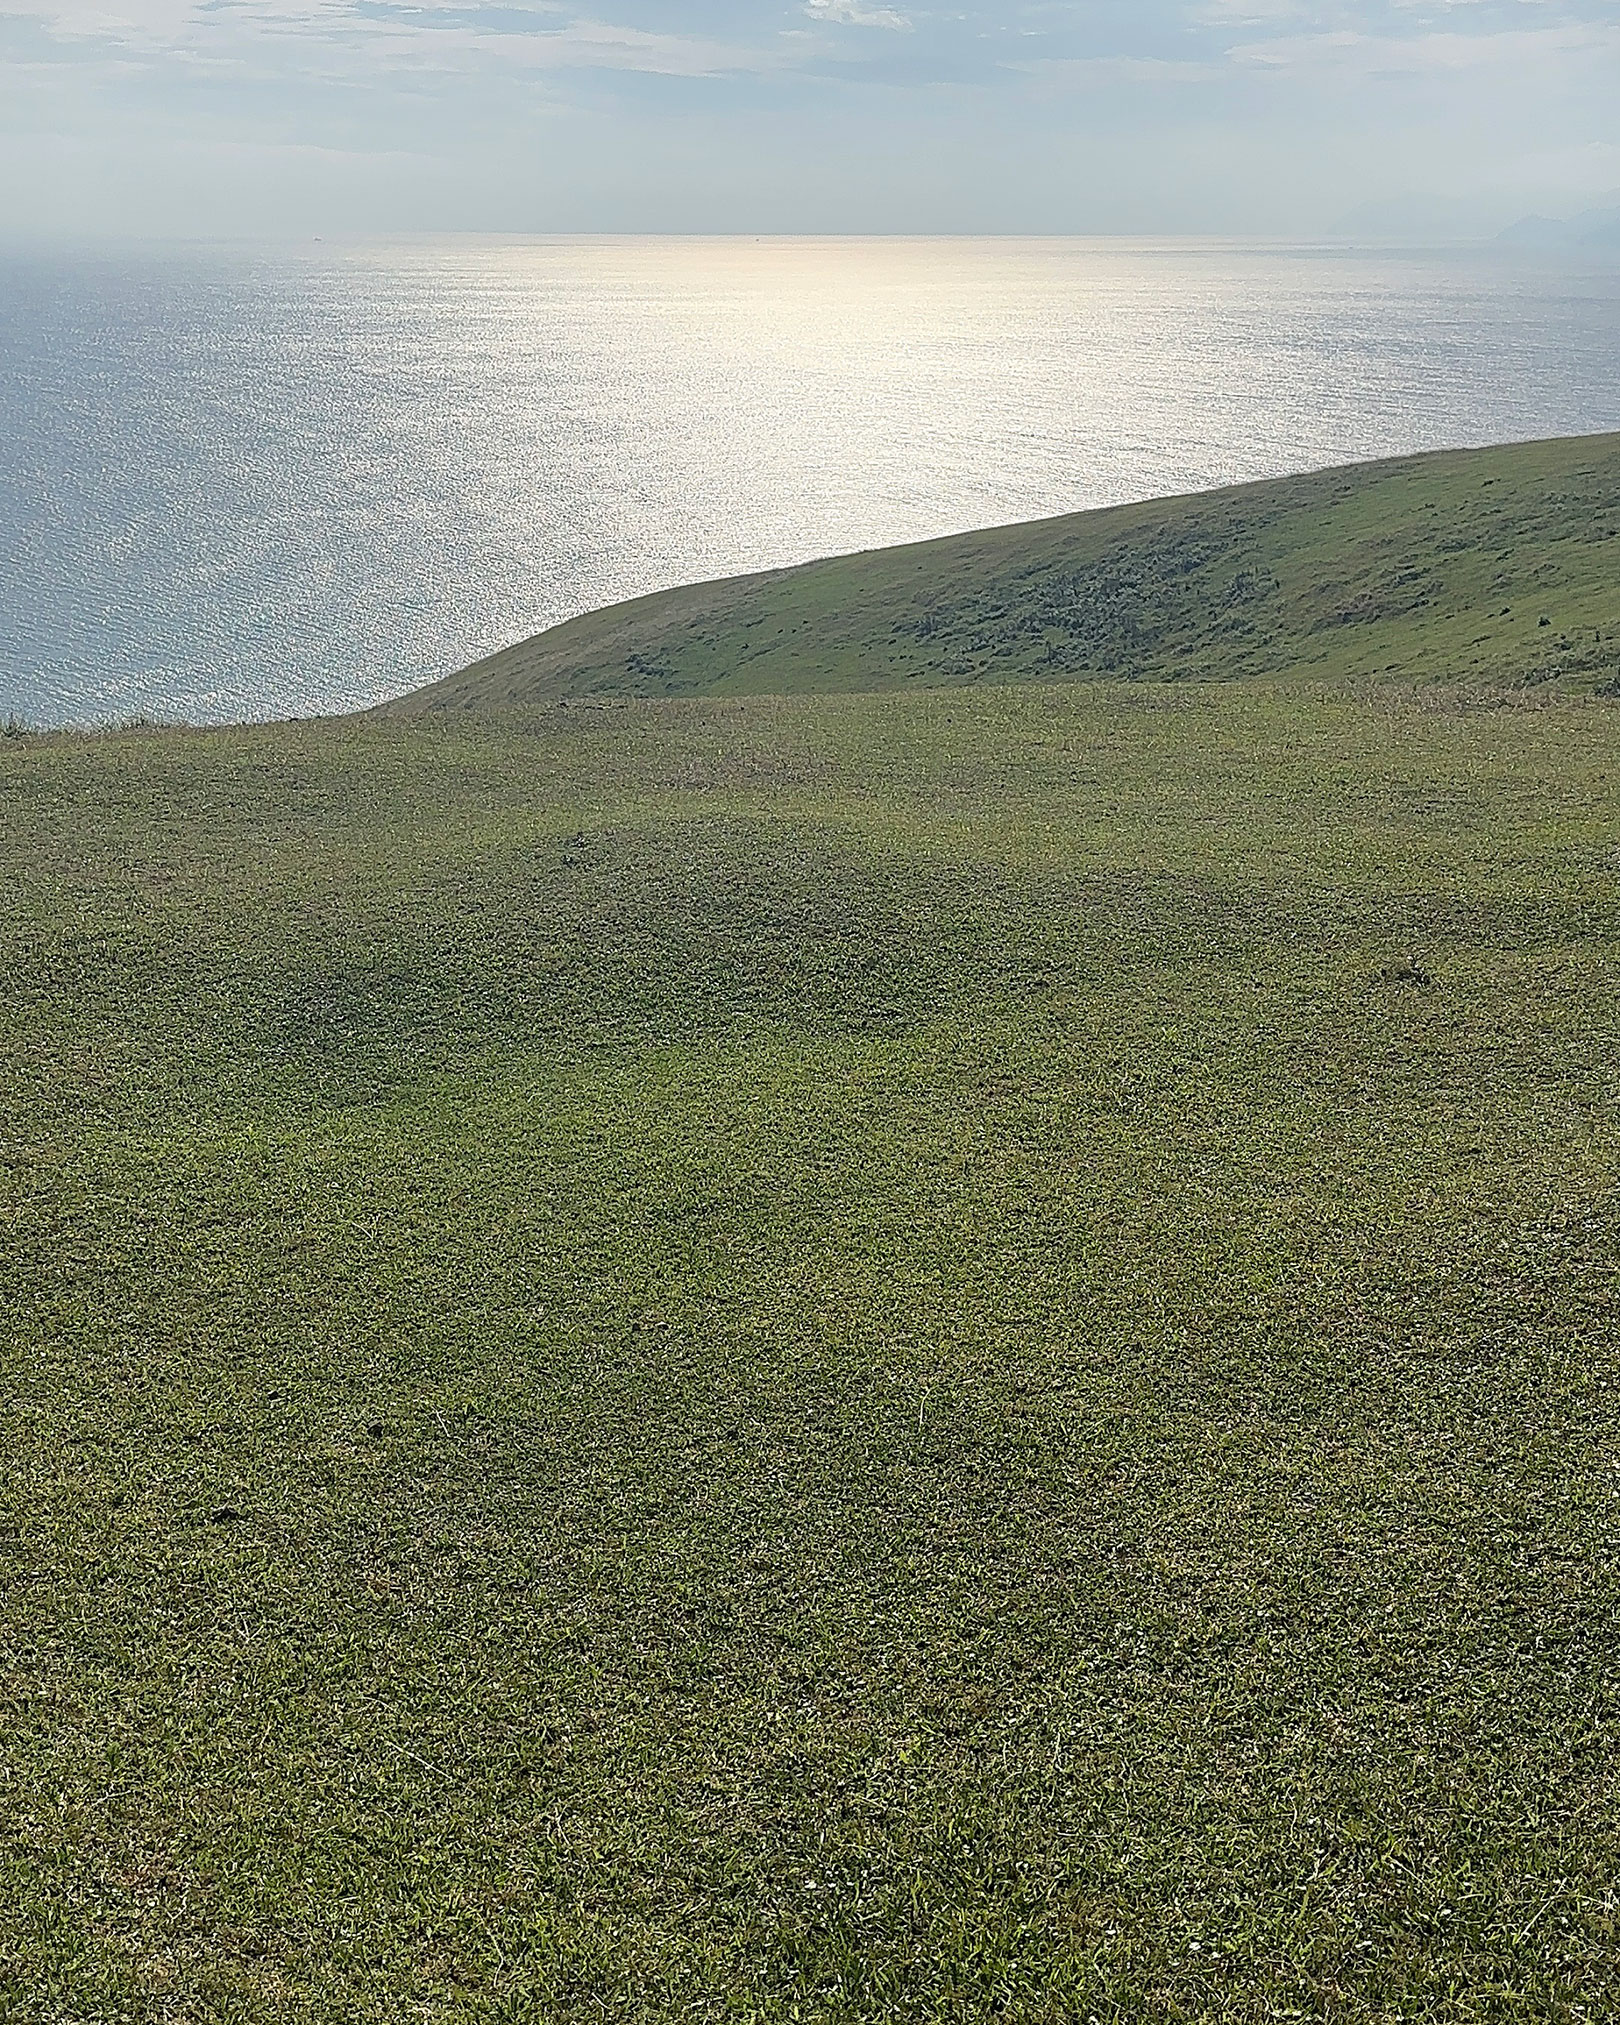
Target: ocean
(260,483)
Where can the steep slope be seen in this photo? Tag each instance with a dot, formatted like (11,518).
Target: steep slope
(1498,565)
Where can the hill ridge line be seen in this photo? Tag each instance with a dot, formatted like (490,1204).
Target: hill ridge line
(1387,569)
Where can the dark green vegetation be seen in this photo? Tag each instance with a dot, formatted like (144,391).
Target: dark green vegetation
(868,1357)
(1446,565)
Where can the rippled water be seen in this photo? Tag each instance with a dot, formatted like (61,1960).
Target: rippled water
(254,485)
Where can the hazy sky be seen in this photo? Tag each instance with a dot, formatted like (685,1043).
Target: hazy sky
(343,116)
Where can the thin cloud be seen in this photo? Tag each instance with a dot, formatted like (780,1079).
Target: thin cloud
(850,14)
(426,37)
(1438,52)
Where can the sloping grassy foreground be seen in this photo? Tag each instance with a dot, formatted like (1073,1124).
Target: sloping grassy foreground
(868,1358)
(1478,567)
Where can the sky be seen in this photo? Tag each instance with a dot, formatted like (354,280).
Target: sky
(1281,118)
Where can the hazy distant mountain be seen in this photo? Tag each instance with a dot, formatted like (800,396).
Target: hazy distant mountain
(1594,231)
(1441,221)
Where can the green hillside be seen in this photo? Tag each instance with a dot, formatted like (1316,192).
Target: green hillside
(931,1356)
(1441,568)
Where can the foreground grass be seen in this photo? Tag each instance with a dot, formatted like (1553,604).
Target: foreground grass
(833,1359)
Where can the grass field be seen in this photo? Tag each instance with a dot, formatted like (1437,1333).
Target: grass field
(918,1356)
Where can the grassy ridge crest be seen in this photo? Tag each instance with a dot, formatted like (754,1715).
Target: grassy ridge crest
(1494,566)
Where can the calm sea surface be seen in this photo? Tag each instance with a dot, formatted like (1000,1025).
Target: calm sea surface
(252,485)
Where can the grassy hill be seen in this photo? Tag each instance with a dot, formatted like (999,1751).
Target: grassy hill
(906,1356)
(1443,565)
